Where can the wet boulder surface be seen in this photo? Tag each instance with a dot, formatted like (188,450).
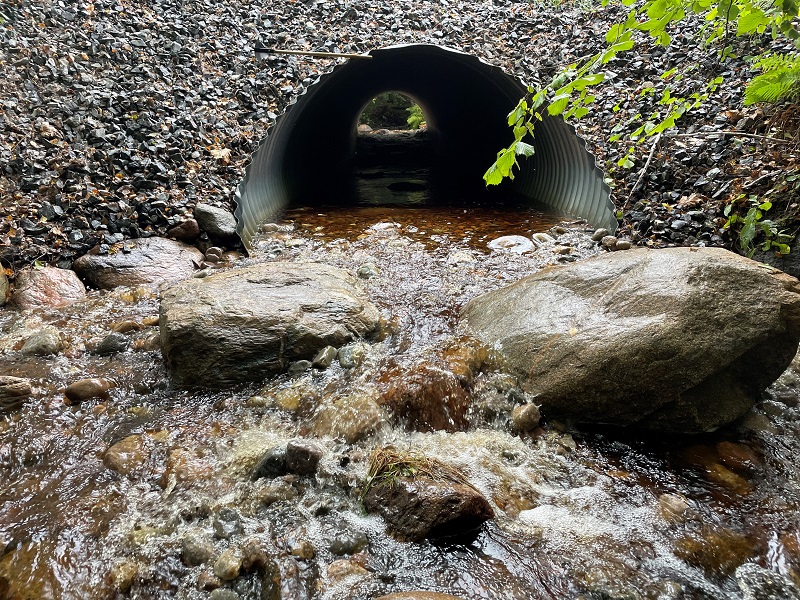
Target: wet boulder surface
(140,262)
(246,324)
(676,340)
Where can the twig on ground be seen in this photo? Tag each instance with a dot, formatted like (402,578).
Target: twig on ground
(643,171)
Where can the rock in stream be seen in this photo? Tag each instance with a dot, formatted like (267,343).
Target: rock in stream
(679,340)
(246,324)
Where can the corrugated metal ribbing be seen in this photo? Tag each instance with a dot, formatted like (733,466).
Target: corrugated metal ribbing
(311,145)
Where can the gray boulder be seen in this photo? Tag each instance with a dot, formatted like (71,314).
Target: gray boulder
(48,286)
(143,261)
(217,222)
(678,340)
(246,324)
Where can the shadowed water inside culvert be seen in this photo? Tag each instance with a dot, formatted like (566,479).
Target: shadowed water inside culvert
(579,514)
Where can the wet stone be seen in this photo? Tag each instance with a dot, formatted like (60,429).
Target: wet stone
(208,582)
(126,456)
(517,244)
(351,418)
(271,465)
(223,594)
(758,583)
(324,357)
(299,367)
(44,342)
(196,548)
(48,286)
(623,245)
(352,355)
(348,542)
(255,557)
(143,261)
(525,417)
(421,507)
(302,457)
(3,287)
(13,392)
(186,231)
(368,271)
(609,242)
(339,569)
(113,343)
(599,234)
(229,563)
(302,549)
(122,575)
(86,389)
(227,523)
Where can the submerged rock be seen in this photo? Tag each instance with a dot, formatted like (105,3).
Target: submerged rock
(49,286)
(86,389)
(680,340)
(247,324)
(143,261)
(758,583)
(426,398)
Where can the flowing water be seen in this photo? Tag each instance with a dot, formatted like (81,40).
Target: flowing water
(579,513)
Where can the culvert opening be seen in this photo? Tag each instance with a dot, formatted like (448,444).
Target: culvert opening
(393,154)
(312,155)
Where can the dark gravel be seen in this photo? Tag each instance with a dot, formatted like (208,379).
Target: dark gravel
(118,117)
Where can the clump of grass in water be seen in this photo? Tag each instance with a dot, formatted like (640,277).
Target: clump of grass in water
(388,464)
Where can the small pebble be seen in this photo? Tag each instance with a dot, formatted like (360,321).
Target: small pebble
(126,326)
(623,245)
(298,367)
(324,357)
(112,344)
(44,342)
(599,234)
(609,241)
(368,271)
(525,417)
(228,564)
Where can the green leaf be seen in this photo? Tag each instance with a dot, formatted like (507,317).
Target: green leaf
(751,21)
(558,105)
(523,149)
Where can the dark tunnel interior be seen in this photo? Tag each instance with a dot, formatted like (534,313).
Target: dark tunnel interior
(313,153)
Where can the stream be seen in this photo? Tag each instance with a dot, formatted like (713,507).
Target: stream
(580,513)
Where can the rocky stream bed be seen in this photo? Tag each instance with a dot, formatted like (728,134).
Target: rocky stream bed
(119,483)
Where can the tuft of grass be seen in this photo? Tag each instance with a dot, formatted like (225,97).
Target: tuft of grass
(388,464)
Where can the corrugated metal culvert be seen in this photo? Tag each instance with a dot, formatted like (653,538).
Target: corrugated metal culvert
(310,152)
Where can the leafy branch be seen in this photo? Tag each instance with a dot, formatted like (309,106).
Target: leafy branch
(568,93)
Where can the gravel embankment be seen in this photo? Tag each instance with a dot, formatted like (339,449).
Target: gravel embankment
(117,117)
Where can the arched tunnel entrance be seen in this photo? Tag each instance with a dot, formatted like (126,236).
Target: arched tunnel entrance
(311,152)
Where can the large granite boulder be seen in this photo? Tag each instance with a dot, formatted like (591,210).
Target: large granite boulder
(48,286)
(678,340)
(142,261)
(246,324)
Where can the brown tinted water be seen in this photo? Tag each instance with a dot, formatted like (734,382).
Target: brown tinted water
(580,514)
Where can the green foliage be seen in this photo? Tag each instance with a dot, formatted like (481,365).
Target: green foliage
(568,94)
(749,227)
(388,110)
(416,118)
(780,79)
